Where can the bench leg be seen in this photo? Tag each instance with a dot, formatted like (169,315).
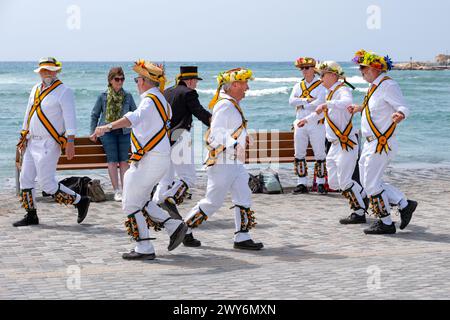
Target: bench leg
(17,174)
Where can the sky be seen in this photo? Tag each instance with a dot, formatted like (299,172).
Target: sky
(211,30)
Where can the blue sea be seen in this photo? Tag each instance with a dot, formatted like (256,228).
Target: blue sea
(424,138)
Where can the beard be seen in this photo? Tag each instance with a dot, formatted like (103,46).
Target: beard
(48,80)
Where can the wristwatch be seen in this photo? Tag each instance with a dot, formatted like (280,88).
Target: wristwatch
(109,126)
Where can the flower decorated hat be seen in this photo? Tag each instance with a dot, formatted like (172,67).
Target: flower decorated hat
(305,62)
(151,71)
(332,67)
(370,59)
(233,75)
(50,64)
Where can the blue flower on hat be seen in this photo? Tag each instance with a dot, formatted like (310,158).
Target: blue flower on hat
(388,62)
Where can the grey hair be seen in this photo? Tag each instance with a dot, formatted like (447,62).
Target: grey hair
(226,86)
(153,83)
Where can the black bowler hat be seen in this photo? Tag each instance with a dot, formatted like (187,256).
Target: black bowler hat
(188,72)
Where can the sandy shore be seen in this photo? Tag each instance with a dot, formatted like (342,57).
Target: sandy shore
(307,254)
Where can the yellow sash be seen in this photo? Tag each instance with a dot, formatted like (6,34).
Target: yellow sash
(306,92)
(382,138)
(157,138)
(343,136)
(214,152)
(36,108)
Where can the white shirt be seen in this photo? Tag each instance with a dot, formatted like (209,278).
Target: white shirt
(225,120)
(302,106)
(386,100)
(146,121)
(337,111)
(59,108)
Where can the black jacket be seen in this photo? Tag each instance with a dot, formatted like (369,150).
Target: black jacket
(185,104)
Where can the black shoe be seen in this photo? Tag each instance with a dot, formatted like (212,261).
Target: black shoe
(83,207)
(30,218)
(378,227)
(301,188)
(321,189)
(133,255)
(354,218)
(170,206)
(248,245)
(406,213)
(190,241)
(177,236)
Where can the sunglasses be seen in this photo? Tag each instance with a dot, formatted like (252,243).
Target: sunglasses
(119,79)
(305,68)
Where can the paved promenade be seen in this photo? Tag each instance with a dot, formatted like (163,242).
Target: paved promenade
(307,254)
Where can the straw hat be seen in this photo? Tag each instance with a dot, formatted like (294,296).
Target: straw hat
(50,64)
(151,71)
(332,67)
(372,60)
(305,62)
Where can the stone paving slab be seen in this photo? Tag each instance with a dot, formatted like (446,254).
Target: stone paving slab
(307,254)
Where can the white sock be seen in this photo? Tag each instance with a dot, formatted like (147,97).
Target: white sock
(77,199)
(403,204)
(387,220)
(360,212)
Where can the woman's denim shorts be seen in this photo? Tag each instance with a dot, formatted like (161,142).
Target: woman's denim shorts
(116,145)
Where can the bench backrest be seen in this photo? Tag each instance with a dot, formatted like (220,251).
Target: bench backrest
(265,147)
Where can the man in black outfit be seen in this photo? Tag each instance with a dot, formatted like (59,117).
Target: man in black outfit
(185,103)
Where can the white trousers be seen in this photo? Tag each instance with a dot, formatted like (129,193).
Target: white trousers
(314,134)
(221,179)
(181,166)
(372,166)
(39,161)
(340,166)
(139,181)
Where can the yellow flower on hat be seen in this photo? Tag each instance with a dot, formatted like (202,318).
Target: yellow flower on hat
(370,59)
(50,64)
(305,62)
(238,74)
(331,66)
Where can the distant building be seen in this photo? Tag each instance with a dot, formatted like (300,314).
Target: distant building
(443,59)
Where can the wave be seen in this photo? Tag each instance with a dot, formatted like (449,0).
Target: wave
(356,80)
(363,90)
(253,93)
(278,80)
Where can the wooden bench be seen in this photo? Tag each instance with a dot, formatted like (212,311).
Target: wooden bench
(267,147)
(273,147)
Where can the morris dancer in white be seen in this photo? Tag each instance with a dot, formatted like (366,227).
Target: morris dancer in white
(343,154)
(305,97)
(49,128)
(382,110)
(150,161)
(226,141)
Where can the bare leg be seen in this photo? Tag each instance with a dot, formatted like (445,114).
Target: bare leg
(123,168)
(113,174)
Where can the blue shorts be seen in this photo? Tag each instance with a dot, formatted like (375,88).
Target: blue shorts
(116,145)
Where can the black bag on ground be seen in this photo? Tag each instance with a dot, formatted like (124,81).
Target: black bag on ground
(77,184)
